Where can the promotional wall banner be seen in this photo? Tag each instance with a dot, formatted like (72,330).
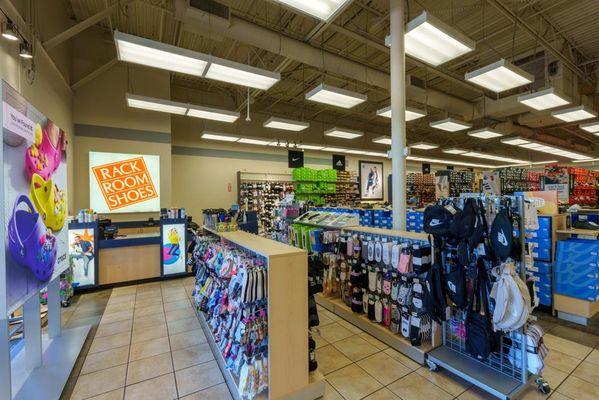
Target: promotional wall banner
(557,178)
(122,183)
(441,186)
(173,248)
(35,200)
(82,254)
(371,180)
(491,183)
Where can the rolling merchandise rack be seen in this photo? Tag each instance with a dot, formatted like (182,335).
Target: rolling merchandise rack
(496,375)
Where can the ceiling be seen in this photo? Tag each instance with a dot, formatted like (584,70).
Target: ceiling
(568,33)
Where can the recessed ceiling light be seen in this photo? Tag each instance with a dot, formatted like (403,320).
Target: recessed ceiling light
(138,50)
(450,125)
(592,127)
(383,140)
(153,104)
(259,142)
(484,133)
(285,124)
(574,114)
(310,147)
(10,31)
(219,136)
(321,9)
(449,162)
(343,133)
(543,99)
(454,150)
(213,114)
(334,149)
(434,42)
(229,71)
(500,76)
(334,96)
(411,113)
(536,146)
(423,146)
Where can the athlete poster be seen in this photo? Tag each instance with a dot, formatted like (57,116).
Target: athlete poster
(124,183)
(173,248)
(371,180)
(82,256)
(35,201)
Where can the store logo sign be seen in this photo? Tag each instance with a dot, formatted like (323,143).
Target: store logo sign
(125,182)
(15,122)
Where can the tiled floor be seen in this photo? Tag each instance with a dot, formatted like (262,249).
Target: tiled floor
(146,343)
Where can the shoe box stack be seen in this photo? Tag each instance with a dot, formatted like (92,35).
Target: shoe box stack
(421,186)
(415,221)
(347,191)
(584,186)
(542,254)
(376,218)
(576,272)
(519,180)
(460,182)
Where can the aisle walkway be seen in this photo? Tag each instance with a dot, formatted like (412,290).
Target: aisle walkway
(149,345)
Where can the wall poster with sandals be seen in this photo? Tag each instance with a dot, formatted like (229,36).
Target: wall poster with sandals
(34,198)
(371,180)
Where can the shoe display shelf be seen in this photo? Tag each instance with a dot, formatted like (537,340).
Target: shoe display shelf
(288,376)
(394,340)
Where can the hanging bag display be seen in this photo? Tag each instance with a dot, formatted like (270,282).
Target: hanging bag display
(481,340)
(502,238)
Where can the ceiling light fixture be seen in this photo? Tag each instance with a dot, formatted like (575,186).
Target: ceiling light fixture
(213,114)
(10,31)
(450,125)
(454,150)
(343,133)
(334,149)
(219,136)
(138,50)
(375,154)
(258,142)
(592,127)
(448,162)
(499,76)
(589,160)
(321,9)
(484,133)
(285,124)
(530,163)
(335,96)
(543,99)
(541,147)
(411,113)
(351,151)
(382,140)
(25,50)
(573,114)
(153,104)
(423,146)
(310,147)
(236,73)
(494,157)
(433,41)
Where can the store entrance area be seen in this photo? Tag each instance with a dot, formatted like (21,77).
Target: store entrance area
(147,343)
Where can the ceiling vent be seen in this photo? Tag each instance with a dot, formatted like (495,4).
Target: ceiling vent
(211,7)
(415,82)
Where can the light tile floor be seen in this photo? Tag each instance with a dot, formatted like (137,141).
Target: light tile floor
(146,343)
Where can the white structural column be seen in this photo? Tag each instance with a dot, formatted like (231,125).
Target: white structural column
(54,318)
(33,332)
(398,113)
(5,379)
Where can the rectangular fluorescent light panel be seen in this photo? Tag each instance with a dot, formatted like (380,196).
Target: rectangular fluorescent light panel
(241,74)
(543,99)
(592,127)
(448,162)
(321,9)
(375,154)
(450,125)
(574,114)
(138,50)
(411,113)
(343,133)
(493,157)
(434,42)
(310,147)
(213,114)
(454,150)
(589,160)
(285,124)
(529,144)
(515,141)
(499,76)
(484,133)
(334,149)
(335,96)
(356,152)
(423,146)
(259,142)
(153,104)
(382,140)
(219,136)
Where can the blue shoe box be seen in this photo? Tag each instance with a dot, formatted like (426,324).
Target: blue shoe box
(545,299)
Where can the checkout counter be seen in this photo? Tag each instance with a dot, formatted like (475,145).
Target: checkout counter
(106,254)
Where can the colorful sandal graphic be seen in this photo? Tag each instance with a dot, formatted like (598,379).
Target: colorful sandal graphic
(30,243)
(49,201)
(42,157)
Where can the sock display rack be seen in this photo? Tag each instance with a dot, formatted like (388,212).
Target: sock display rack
(287,325)
(338,302)
(261,192)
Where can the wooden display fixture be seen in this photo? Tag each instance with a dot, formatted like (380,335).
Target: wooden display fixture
(382,333)
(288,376)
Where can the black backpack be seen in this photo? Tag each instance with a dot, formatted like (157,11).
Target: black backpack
(437,220)
(434,302)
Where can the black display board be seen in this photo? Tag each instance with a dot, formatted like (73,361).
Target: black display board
(295,158)
(339,162)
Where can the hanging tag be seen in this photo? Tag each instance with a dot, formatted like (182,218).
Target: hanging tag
(451,209)
(415,320)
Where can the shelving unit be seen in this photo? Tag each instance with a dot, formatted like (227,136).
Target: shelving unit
(287,319)
(393,340)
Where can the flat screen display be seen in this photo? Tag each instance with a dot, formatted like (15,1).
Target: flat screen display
(124,183)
